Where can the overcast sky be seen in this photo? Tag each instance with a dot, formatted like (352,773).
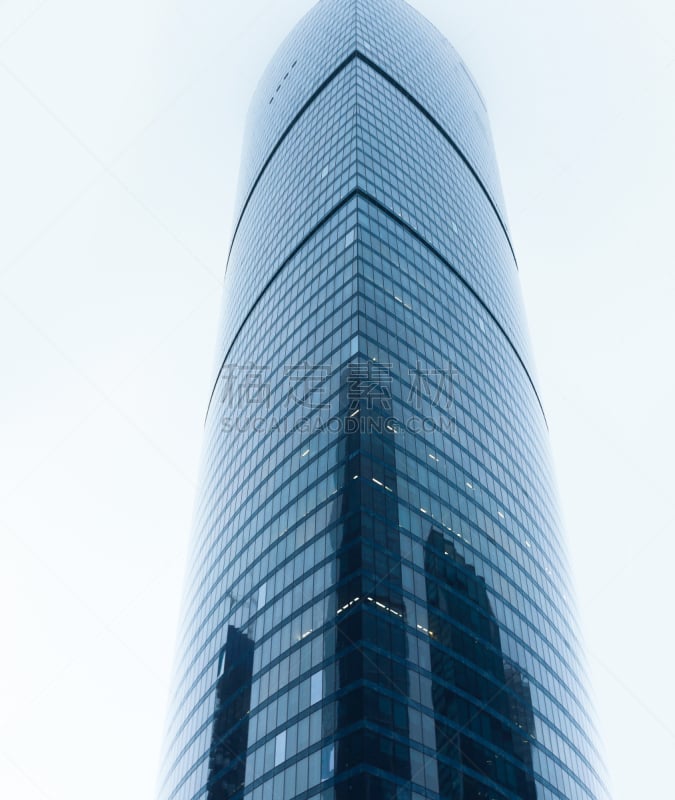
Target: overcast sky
(120,133)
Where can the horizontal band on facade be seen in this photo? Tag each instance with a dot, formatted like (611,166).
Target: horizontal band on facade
(408,96)
(355,193)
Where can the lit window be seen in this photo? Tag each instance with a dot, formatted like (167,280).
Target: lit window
(280,749)
(316,687)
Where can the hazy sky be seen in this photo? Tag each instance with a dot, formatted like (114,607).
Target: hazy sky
(120,132)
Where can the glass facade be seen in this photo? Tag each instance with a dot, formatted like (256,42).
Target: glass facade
(377,606)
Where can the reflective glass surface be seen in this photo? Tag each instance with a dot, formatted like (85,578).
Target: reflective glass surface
(377,604)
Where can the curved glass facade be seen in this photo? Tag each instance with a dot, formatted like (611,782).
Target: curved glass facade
(377,605)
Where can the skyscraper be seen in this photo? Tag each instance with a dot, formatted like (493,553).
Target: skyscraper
(377,606)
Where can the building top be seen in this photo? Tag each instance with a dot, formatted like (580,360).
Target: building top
(394,38)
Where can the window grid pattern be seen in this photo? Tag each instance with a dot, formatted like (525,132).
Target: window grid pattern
(408,48)
(382,614)
(358,134)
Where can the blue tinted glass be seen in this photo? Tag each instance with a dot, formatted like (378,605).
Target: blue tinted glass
(378,603)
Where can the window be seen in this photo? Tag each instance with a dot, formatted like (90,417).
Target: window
(280,749)
(316,688)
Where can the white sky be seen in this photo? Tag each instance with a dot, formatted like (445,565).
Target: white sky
(120,134)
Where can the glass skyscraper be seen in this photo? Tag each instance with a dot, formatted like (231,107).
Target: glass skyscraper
(377,606)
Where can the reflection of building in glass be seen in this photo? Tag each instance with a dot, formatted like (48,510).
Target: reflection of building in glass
(371,261)
(484,721)
(229,737)
(522,716)
(371,648)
